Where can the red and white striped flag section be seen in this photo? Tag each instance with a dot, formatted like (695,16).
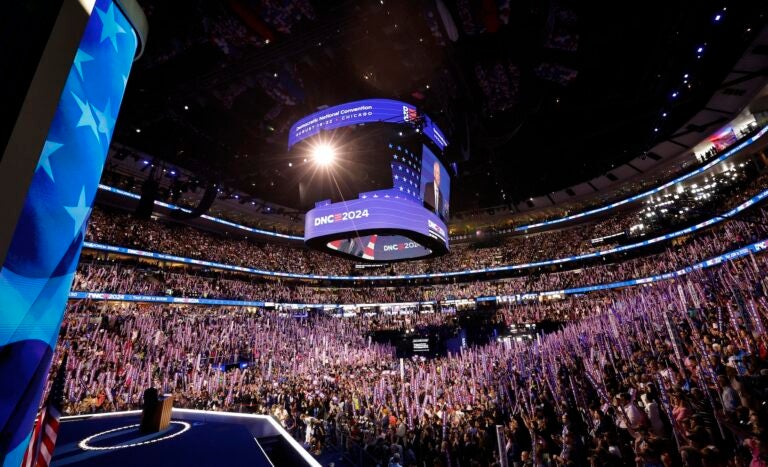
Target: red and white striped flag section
(46,430)
(43,439)
(29,454)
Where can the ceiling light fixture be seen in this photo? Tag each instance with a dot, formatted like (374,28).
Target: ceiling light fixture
(324,154)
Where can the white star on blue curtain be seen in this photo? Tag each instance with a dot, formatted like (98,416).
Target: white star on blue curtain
(110,28)
(106,121)
(80,58)
(49,148)
(80,212)
(86,117)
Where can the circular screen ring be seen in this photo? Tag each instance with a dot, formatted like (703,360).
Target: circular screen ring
(376,230)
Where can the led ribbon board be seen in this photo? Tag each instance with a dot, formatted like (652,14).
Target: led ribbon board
(376,229)
(173,207)
(231,267)
(365,111)
(754,248)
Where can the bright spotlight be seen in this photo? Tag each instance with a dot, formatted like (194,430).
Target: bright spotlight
(323,154)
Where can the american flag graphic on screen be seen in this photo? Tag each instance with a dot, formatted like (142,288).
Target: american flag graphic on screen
(406,172)
(409,114)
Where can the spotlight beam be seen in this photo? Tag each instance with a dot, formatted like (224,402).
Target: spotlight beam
(324,154)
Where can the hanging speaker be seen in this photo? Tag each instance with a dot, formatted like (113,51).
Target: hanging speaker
(147,200)
(205,204)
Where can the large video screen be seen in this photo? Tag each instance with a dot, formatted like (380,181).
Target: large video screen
(435,184)
(377,228)
(365,111)
(380,247)
(402,220)
(421,178)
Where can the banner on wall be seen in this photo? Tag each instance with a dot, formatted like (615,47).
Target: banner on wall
(39,266)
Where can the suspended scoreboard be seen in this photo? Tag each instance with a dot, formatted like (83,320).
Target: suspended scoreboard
(403,220)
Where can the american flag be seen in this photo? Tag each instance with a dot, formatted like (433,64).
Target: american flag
(43,440)
(406,172)
(409,114)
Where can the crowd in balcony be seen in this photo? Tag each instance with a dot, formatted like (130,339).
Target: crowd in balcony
(666,212)
(193,282)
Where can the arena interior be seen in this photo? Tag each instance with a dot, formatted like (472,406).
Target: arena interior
(425,233)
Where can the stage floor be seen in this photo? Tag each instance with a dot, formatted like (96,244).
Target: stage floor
(194,438)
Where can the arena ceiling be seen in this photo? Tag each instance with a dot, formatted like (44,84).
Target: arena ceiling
(534,95)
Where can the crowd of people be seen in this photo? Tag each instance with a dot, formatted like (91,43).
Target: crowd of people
(670,373)
(125,279)
(121,229)
(632,188)
(673,373)
(193,282)
(661,212)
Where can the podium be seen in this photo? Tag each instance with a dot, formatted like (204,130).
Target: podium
(156,414)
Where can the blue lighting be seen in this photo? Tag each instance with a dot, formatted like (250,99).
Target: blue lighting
(718,17)
(731,255)
(173,207)
(729,153)
(700,50)
(511,267)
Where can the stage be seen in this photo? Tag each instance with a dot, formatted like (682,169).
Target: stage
(195,437)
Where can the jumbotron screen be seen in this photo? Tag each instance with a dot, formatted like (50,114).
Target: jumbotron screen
(403,220)
(435,184)
(361,112)
(380,228)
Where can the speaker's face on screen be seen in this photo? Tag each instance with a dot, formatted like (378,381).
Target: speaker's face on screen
(436,173)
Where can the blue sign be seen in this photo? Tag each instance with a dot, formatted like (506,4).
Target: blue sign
(117,297)
(43,255)
(365,111)
(380,247)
